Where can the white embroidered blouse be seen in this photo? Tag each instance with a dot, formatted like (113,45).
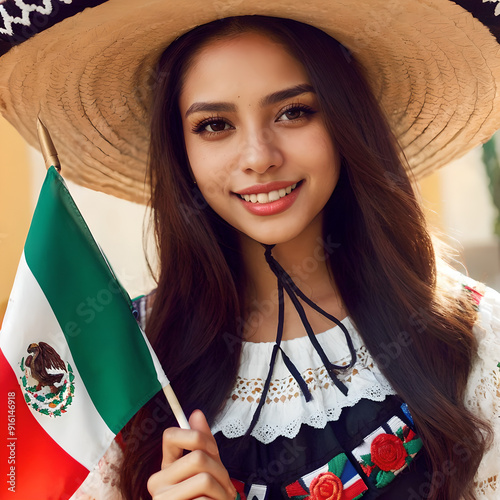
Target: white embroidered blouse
(286,411)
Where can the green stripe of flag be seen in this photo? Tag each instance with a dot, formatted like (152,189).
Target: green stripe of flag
(93,310)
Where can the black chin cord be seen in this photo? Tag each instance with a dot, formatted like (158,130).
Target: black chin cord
(285,283)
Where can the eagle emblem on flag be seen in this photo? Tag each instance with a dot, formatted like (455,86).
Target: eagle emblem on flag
(47,381)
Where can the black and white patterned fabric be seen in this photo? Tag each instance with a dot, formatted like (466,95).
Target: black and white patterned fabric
(486,11)
(22,19)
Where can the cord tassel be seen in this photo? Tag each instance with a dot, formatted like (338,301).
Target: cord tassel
(265,390)
(276,349)
(296,375)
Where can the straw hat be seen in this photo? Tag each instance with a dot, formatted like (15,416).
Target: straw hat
(433,64)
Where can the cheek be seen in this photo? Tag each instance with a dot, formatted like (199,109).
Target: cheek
(211,175)
(322,159)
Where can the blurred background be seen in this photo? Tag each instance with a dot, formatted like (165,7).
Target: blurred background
(459,202)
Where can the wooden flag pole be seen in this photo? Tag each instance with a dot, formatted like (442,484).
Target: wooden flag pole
(176,407)
(48,149)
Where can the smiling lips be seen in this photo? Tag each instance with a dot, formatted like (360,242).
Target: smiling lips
(269,199)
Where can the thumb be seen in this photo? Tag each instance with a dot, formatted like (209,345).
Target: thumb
(198,422)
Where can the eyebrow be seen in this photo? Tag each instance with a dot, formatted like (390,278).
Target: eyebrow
(210,106)
(274,98)
(283,95)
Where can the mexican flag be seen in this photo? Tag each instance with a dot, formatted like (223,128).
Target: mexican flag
(74,364)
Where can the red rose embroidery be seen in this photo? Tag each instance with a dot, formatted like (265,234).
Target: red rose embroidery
(326,486)
(388,452)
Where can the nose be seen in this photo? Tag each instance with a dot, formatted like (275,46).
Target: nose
(260,151)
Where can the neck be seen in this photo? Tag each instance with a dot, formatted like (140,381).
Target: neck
(304,259)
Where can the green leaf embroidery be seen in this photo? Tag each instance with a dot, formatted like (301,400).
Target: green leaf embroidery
(399,433)
(22,364)
(336,465)
(384,478)
(413,446)
(359,496)
(367,460)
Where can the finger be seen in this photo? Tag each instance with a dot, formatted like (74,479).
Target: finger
(198,421)
(202,485)
(194,463)
(176,440)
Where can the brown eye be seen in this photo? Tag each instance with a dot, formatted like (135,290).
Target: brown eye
(293,114)
(216,126)
(211,126)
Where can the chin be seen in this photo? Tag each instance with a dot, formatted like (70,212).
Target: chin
(273,238)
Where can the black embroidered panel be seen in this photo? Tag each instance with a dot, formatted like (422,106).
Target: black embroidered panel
(22,19)
(484,11)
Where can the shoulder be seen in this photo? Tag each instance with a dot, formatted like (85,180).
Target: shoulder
(484,379)
(483,389)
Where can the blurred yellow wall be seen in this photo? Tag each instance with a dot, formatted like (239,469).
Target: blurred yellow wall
(15,206)
(432,200)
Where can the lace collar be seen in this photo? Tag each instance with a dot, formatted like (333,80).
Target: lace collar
(286,409)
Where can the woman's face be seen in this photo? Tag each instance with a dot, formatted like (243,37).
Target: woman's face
(255,139)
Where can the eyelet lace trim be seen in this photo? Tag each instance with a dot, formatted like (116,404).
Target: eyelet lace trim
(286,409)
(487,487)
(483,390)
(282,390)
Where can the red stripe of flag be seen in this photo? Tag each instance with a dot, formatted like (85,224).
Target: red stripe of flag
(354,490)
(43,470)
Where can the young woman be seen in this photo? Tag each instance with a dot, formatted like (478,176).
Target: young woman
(275,175)
(319,345)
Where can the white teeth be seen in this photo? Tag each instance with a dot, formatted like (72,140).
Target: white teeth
(268,197)
(274,196)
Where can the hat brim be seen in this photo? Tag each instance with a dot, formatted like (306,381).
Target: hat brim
(434,68)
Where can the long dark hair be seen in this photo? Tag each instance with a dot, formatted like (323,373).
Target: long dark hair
(384,267)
